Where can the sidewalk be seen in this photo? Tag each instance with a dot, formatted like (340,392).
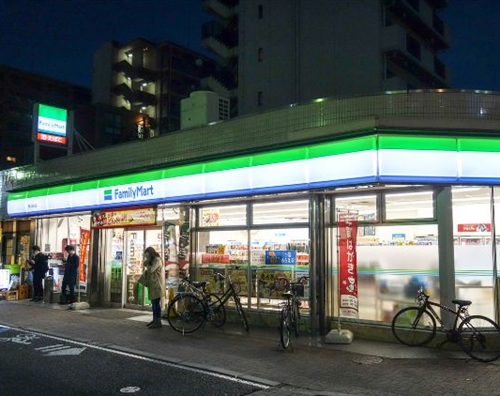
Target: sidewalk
(313,368)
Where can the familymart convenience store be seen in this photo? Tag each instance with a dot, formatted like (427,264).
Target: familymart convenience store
(424,206)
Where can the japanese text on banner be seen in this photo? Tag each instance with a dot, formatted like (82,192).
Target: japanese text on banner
(348,272)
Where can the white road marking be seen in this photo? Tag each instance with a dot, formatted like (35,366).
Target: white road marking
(21,338)
(52,347)
(152,360)
(130,389)
(66,352)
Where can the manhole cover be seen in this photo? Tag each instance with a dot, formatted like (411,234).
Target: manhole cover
(130,389)
(367,360)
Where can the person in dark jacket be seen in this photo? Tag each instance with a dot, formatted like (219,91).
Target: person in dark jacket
(70,274)
(39,265)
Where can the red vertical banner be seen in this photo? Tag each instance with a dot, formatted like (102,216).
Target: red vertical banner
(84,251)
(348,271)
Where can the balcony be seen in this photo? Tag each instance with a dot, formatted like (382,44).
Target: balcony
(215,85)
(438,3)
(212,44)
(226,35)
(222,41)
(405,62)
(135,73)
(437,37)
(222,8)
(136,98)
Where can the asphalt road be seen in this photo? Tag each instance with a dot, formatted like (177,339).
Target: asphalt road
(36,364)
(362,368)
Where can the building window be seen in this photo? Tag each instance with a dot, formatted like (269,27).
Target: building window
(259,98)
(260,55)
(261,11)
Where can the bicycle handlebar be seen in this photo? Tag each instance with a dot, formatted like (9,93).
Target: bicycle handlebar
(421,295)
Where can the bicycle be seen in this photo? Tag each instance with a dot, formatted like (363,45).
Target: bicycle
(189,311)
(478,336)
(289,316)
(193,306)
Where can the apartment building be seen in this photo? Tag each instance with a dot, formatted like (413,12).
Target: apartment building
(150,79)
(275,53)
(19,91)
(95,126)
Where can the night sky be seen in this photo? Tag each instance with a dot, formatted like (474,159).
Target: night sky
(57,38)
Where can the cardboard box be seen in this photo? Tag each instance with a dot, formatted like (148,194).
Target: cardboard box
(23,292)
(11,295)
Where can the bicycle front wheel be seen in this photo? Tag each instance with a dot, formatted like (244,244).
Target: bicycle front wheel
(480,338)
(284,328)
(241,313)
(217,312)
(186,313)
(413,326)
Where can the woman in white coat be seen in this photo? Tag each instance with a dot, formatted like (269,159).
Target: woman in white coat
(154,272)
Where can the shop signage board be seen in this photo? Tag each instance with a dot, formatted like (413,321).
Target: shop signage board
(4,278)
(348,271)
(132,217)
(284,257)
(370,159)
(84,251)
(52,125)
(210,217)
(474,227)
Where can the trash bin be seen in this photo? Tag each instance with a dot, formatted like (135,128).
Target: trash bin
(48,290)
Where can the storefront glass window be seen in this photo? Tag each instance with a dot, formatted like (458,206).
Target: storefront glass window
(473,232)
(224,252)
(411,205)
(220,216)
(366,205)
(113,251)
(392,266)
(260,270)
(279,256)
(54,233)
(281,212)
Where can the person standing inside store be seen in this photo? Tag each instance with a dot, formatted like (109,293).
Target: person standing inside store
(39,265)
(154,274)
(70,275)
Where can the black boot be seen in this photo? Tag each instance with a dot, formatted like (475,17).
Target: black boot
(150,323)
(156,324)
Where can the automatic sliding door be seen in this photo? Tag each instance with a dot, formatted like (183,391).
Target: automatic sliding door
(137,240)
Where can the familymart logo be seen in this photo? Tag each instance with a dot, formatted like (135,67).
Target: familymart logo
(128,193)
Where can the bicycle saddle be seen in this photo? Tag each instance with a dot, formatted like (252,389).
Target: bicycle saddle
(288,294)
(462,303)
(200,284)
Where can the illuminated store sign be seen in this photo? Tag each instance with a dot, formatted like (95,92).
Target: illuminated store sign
(370,159)
(133,217)
(52,124)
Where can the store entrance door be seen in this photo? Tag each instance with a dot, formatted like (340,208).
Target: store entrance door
(136,241)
